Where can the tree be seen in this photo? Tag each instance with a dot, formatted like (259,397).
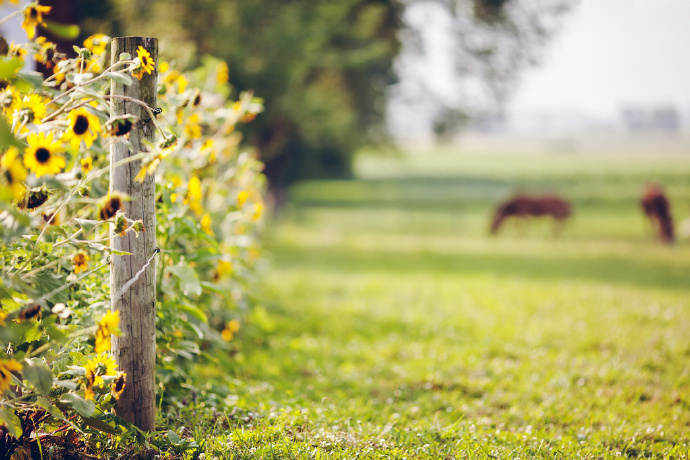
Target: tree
(324,68)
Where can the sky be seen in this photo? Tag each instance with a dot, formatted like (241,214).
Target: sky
(610,54)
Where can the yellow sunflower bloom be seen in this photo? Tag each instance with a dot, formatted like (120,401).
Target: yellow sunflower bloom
(242,197)
(92,376)
(86,164)
(7,366)
(118,385)
(41,156)
(258,211)
(31,108)
(33,16)
(222,73)
(84,126)
(230,328)
(206,224)
(192,129)
(107,326)
(14,172)
(80,262)
(146,63)
(110,206)
(102,364)
(97,43)
(224,268)
(194,195)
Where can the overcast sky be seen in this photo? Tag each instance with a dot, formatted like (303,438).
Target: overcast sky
(612,53)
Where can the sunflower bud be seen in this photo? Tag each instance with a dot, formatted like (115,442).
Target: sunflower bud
(120,223)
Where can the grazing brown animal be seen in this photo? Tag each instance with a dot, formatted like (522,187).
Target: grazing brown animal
(524,206)
(657,208)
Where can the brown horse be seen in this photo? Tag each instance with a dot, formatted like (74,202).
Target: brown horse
(657,208)
(524,206)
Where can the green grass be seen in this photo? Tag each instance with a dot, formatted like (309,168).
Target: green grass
(393,327)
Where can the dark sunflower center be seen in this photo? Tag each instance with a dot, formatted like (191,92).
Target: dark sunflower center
(33,12)
(42,155)
(81,125)
(123,128)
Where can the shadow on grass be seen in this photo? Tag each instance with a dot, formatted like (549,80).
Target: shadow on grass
(553,266)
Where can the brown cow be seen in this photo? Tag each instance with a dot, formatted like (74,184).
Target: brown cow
(657,208)
(524,206)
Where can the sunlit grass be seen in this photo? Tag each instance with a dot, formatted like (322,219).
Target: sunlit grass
(394,331)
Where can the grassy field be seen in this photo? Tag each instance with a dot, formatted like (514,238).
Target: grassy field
(394,327)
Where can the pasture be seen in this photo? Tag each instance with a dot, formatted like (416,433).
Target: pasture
(394,327)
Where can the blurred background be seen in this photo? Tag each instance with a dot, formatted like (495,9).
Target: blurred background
(430,90)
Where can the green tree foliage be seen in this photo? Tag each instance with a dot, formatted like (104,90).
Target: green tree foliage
(325,67)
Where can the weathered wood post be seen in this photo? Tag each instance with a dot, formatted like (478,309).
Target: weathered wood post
(135,349)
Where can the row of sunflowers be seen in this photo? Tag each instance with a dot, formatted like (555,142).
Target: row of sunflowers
(56,129)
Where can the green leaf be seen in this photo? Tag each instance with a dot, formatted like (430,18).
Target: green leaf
(39,375)
(188,278)
(213,287)
(11,421)
(7,139)
(9,67)
(80,405)
(174,438)
(193,311)
(100,425)
(31,78)
(48,406)
(63,31)
(32,334)
(46,281)
(46,247)
(120,77)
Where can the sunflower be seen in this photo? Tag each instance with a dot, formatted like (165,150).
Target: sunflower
(14,172)
(41,156)
(17,51)
(103,364)
(207,224)
(118,385)
(222,73)
(192,130)
(119,127)
(194,195)
(80,262)
(47,52)
(84,126)
(107,326)
(31,108)
(109,208)
(91,380)
(97,43)
(29,312)
(224,268)
(258,211)
(33,16)
(146,63)
(86,164)
(242,197)
(7,366)
(230,328)
(33,199)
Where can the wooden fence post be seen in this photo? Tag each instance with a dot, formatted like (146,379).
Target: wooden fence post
(135,349)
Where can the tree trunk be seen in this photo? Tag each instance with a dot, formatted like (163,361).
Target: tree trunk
(135,349)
